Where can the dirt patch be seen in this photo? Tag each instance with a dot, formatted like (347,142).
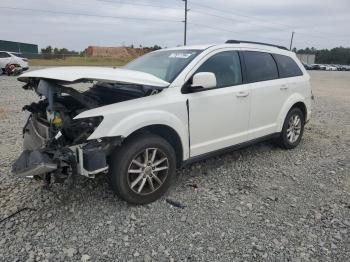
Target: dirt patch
(115,52)
(3,113)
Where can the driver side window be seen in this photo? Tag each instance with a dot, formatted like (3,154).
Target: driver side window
(226,67)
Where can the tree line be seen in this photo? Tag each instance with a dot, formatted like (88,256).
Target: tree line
(338,55)
(54,52)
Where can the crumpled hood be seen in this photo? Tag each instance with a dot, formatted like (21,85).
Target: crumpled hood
(79,73)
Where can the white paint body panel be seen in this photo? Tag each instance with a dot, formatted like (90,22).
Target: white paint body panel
(75,73)
(216,118)
(121,119)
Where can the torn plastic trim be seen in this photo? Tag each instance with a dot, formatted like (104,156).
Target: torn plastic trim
(31,163)
(86,159)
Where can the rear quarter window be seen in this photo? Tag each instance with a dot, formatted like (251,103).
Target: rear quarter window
(260,66)
(287,67)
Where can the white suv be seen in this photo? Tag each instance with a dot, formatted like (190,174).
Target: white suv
(12,59)
(162,111)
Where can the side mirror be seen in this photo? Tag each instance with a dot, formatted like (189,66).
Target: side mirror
(204,80)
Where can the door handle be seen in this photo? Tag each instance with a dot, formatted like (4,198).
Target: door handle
(242,94)
(284,87)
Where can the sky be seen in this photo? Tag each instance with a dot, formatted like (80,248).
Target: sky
(77,24)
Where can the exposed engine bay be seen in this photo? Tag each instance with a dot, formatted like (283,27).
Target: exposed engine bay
(55,142)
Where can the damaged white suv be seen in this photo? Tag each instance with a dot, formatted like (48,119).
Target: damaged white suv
(162,111)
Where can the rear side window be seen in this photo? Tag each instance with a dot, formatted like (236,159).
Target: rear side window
(226,66)
(287,66)
(4,55)
(260,66)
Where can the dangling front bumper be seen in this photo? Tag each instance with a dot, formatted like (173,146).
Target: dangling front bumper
(31,163)
(86,159)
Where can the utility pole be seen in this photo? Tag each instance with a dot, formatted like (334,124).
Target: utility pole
(291,41)
(185,22)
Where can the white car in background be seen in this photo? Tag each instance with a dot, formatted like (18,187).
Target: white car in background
(331,68)
(13,59)
(160,112)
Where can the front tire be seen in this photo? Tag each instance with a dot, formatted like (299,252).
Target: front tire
(142,169)
(293,129)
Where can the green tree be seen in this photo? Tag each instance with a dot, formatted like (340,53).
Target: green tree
(337,55)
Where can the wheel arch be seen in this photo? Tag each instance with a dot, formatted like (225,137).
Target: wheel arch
(295,101)
(302,107)
(166,132)
(163,123)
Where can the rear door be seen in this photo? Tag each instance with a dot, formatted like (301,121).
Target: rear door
(292,75)
(268,93)
(219,117)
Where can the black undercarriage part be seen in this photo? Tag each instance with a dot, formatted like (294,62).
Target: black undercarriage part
(32,163)
(94,158)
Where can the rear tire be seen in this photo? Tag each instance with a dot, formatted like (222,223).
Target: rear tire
(293,129)
(142,169)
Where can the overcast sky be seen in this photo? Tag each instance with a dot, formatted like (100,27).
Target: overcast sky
(322,24)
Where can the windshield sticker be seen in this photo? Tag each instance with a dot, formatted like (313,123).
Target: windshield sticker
(180,55)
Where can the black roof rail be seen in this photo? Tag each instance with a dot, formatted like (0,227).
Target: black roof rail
(250,42)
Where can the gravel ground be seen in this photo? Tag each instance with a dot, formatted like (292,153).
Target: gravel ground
(261,203)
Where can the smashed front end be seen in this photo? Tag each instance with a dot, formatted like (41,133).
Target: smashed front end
(56,143)
(57,139)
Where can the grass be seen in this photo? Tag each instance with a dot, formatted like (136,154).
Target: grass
(78,61)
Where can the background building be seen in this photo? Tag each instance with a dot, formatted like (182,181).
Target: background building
(307,58)
(29,50)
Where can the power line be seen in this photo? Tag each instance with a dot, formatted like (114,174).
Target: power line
(89,15)
(224,17)
(230,31)
(162,20)
(139,4)
(218,16)
(239,14)
(228,18)
(263,20)
(195,11)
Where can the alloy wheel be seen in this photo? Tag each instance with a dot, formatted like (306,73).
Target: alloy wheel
(294,128)
(148,171)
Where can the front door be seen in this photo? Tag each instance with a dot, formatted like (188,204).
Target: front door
(219,117)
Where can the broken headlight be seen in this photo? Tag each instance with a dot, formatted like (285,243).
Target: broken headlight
(78,130)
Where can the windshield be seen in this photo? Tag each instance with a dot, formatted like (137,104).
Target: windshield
(165,65)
